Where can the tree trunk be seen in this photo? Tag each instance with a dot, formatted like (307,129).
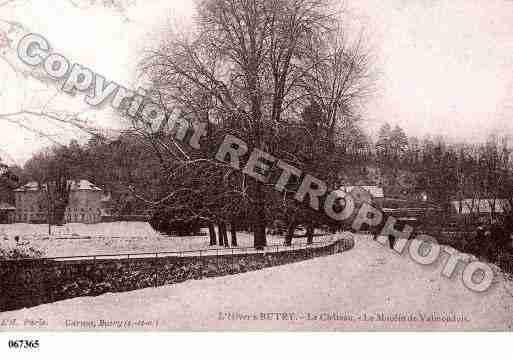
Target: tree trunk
(212,234)
(309,233)
(290,233)
(233,232)
(58,215)
(220,234)
(49,210)
(260,240)
(223,235)
(259,236)
(49,218)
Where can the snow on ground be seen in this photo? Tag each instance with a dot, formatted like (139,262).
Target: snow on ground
(26,230)
(366,280)
(77,239)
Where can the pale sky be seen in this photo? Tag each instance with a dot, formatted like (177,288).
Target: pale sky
(446,67)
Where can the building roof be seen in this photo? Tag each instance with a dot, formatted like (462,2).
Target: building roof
(84,185)
(375,191)
(362,194)
(482,205)
(4,206)
(75,185)
(31,186)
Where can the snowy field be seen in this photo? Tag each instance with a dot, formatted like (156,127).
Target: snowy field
(357,284)
(31,231)
(77,239)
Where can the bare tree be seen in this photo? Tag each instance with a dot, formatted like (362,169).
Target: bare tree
(37,96)
(37,101)
(252,66)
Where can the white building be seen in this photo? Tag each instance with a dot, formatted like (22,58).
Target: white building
(84,206)
(365,193)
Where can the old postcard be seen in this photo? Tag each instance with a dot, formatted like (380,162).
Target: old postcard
(266,165)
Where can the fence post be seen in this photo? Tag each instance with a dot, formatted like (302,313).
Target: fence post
(44,278)
(201,264)
(156,271)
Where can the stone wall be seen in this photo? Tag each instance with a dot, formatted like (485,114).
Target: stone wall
(32,282)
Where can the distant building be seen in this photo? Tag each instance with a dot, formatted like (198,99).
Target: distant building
(6,193)
(480,207)
(85,203)
(7,212)
(106,205)
(412,212)
(28,201)
(366,193)
(7,209)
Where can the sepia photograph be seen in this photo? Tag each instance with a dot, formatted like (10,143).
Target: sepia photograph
(255,165)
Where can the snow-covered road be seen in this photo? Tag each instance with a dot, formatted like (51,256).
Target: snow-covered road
(368,287)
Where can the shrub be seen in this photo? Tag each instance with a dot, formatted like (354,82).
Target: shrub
(20,252)
(166,222)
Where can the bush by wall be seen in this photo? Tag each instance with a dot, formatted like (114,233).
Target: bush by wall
(19,252)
